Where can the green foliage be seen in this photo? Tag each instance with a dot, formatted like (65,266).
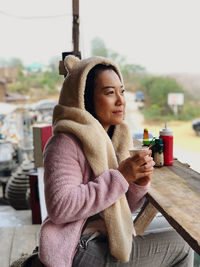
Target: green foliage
(158,88)
(129,70)
(15,62)
(17,87)
(189,111)
(46,80)
(156,91)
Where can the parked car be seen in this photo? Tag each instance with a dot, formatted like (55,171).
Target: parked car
(139,96)
(196,126)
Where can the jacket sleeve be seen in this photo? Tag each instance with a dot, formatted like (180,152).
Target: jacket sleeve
(136,196)
(67,197)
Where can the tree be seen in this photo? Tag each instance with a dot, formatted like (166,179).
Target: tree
(156,91)
(15,62)
(98,48)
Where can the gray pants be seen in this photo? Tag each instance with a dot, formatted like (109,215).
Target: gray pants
(162,249)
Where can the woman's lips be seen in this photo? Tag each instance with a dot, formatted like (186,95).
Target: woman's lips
(118,112)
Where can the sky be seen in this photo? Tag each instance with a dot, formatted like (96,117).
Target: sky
(160,35)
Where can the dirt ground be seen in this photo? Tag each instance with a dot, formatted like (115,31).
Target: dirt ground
(184,135)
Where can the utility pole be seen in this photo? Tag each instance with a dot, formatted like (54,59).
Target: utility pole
(75,29)
(75,38)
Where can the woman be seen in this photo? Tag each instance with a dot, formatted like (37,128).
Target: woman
(91,184)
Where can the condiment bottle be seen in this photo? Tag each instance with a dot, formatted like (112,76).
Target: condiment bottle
(146,141)
(158,155)
(167,136)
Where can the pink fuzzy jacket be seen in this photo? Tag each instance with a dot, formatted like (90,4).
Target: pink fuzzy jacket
(73,194)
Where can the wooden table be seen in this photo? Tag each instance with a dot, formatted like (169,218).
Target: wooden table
(175,192)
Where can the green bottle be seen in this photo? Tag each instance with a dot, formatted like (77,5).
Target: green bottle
(158,152)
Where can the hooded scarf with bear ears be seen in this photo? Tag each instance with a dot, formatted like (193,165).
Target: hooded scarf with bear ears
(101,152)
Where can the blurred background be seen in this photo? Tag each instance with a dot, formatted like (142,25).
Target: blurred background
(155,43)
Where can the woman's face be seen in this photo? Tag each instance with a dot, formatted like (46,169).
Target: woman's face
(109,99)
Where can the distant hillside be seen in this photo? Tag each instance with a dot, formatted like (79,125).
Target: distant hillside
(190,82)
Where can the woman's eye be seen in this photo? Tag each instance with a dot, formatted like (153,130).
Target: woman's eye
(122,91)
(110,92)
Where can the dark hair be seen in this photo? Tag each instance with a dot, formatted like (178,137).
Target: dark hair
(90,84)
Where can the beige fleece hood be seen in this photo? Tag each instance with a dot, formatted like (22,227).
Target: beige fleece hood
(72,93)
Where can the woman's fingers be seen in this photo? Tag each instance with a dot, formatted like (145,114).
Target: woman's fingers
(137,167)
(143,174)
(145,160)
(144,168)
(147,167)
(141,154)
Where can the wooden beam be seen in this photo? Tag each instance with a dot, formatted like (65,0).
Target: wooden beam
(175,192)
(191,240)
(146,215)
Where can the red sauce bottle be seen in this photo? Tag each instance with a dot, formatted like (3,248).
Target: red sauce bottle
(167,136)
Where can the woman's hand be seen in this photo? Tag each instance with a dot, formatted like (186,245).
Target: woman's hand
(138,169)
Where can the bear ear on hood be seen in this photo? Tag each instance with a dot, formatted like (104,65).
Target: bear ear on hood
(70,61)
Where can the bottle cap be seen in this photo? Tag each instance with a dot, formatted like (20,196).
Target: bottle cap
(158,147)
(158,141)
(166,131)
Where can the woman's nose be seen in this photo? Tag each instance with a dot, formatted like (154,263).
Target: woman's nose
(120,100)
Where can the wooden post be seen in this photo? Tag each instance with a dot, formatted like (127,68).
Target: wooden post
(75,31)
(75,38)
(146,215)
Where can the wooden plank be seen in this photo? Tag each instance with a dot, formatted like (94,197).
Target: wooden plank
(186,235)
(145,216)
(191,177)
(25,239)
(178,202)
(6,237)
